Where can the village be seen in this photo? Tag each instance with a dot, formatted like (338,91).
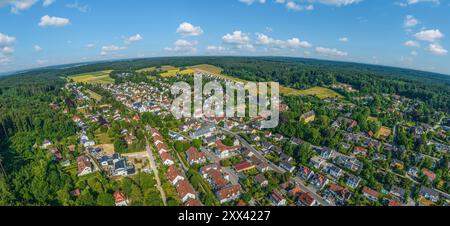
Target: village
(231,161)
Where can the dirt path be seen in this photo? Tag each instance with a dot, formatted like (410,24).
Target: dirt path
(155,172)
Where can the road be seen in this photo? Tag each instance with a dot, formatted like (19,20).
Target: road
(155,171)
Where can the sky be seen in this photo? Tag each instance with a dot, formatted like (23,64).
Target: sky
(404,33)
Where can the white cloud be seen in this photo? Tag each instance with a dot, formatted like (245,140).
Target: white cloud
(330,52)
(113,48)
(6,50)
(414,53)
(291,5)
(90,46)
(183,46)
(18,5)
(48,2)
(133,38)
(437,49)
(413,2)
(81,8)
(187,29)
(6,40)
(41,62)
(429,35)
(410,21)
(249,2)
(216,49)
(343,39)
(53,21)
(411,43)
(262,39)
(37,48)
(338,2)
(239,40)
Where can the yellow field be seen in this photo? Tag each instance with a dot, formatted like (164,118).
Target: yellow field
(172,73)
(319,92)
(99,77)
(150,69)
(383,133)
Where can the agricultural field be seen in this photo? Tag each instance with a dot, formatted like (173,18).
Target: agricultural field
(99,77)
(174,72)
(319,92)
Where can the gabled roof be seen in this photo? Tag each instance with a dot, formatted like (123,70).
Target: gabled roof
(371,192)
(228,192)
(119,197)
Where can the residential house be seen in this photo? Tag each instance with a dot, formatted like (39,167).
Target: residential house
(306,199)
(229,193)
(185,191)
(195,157)
(223,151)
(84,166)
(120,199)
(370,194)
(340,193)
(353,181)
(305,173)
(429,193)
(244,166)
(398,192)
(317,162)
(308,117)
(166,159)
(319,181)
(287,166)
(277,199)
(334,171)
(429,174)
(261,180)
(173,175)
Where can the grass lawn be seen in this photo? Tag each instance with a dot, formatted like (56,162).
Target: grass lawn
(98,77)
(94,95)
(372,119)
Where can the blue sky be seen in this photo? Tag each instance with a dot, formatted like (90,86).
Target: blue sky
(406,33)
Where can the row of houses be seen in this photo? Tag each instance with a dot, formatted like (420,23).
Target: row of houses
(185,191)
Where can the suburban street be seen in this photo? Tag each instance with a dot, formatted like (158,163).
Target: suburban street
(155,171)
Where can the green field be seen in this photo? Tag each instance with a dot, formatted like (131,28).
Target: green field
(319,92)
(94,95)
(98,77)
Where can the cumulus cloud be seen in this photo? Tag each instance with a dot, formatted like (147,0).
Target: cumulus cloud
(18,5)
(183,46)
(47,21)
(429,35)
(413,2)
(343,39)
(330,52)
(133,38)
(239,40)
(6,40)
(410,21)
(48,2)
(216,49)
(262,39)
(6,50)
(187,29)
(437,49)
(111,48)
(411,43)
(37,48)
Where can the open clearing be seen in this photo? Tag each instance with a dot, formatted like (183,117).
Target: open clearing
(94,95)
(383,133)
(99,77)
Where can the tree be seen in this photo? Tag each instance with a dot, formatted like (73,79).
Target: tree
(105,199)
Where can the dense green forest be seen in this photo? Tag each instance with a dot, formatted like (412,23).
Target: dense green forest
(26,118)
